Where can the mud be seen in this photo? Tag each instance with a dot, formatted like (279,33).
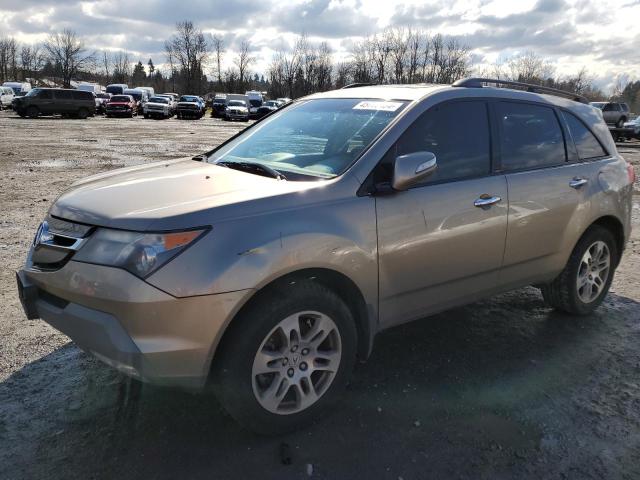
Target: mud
(504,388)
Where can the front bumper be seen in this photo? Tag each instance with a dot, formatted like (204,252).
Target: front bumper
(129,324)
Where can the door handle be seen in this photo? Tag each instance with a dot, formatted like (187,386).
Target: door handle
(577,182)
(486,200)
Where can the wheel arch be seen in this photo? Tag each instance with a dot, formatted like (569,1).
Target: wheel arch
(615,226)
(337,282)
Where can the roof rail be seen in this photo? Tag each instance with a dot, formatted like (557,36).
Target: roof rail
(529,87)
(356,85)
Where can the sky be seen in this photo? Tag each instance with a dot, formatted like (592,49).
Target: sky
(603,36)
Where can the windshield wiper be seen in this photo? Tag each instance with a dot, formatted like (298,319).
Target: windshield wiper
(254,167)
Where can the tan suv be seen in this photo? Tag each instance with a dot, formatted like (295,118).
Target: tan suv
(268,265)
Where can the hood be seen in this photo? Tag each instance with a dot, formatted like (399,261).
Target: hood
(166,196)
(157,104)
(189,103)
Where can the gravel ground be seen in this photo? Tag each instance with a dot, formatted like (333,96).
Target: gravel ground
(503,388)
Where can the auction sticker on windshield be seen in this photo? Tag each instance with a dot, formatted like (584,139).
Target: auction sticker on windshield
(385,106)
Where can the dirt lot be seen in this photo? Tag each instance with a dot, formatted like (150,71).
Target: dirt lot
(504,388)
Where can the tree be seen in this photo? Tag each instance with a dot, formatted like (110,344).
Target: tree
(218,52)
(151,68)
(121,67)
(68,51)
(138,76)
(243,61)
(189,49)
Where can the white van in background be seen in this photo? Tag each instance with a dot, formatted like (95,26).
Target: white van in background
(90,87)
(150,91)
(255,102)
(6,97)
(19,88)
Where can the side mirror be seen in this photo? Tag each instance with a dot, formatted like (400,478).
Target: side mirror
(411,168)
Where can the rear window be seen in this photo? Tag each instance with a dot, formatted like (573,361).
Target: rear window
(159,100)
(530,136)
(586,142)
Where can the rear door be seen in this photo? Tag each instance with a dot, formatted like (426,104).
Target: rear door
(45,101)
(436,247)
(549,190)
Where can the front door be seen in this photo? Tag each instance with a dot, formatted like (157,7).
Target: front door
(442,242)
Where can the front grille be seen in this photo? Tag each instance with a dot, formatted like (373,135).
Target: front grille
(56,242)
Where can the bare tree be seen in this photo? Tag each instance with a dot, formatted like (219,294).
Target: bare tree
(189,49)
(106,64)
(243,61)
(218,52)
(121,67)
(529,67)
(67,51)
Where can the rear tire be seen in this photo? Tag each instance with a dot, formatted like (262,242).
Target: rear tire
(582,285)
(82,113)
(301,383)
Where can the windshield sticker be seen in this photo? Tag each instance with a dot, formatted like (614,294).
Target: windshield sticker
(384,106)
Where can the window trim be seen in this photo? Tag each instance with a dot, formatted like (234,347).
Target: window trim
(578,158)
(498,128)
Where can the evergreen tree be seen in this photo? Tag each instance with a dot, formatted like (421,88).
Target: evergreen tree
(151,67)
(139,75)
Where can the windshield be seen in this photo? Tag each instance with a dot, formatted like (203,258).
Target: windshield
(120,98)
(136,95)
(237,103)
(33,93)
(271,104)
(159,100)
(319,138)
(187,98)
(255,103)
(599,105)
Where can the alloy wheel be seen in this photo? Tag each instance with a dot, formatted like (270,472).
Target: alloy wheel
(296,363)
(593,271)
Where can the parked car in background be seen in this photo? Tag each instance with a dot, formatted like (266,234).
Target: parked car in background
(255,102)
(190,106)
(158,107)
(101,102)
(266,268)
(19,88)
(122,106)
(173,101)
(50,101)
(6,97)
(283,100)
(267,107)
(116,88)
(614,113)
(237,110)
(631,129)
(218,106)
(140,96)
(90,87)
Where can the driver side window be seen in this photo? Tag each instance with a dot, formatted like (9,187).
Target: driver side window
(458,134)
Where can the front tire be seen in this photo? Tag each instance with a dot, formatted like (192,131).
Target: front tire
(286,358)
(582,285)
(33,112)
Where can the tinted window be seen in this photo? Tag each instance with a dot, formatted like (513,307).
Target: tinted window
(530,137)
(80,95)
(608,108)
(586,143)
(458,134)
(63,94)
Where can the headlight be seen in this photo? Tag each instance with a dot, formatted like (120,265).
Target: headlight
(137,252)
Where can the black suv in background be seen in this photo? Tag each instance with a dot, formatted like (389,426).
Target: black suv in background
(50,101)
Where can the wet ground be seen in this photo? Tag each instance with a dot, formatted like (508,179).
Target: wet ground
(504,388)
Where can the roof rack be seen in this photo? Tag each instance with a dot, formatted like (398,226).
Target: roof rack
(480,82)
(356,85)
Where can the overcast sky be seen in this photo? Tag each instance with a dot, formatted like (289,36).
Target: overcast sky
(602,35)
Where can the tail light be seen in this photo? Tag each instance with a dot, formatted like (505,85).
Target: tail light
(632,173)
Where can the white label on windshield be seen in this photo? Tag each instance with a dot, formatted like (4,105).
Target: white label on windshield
(384,106)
